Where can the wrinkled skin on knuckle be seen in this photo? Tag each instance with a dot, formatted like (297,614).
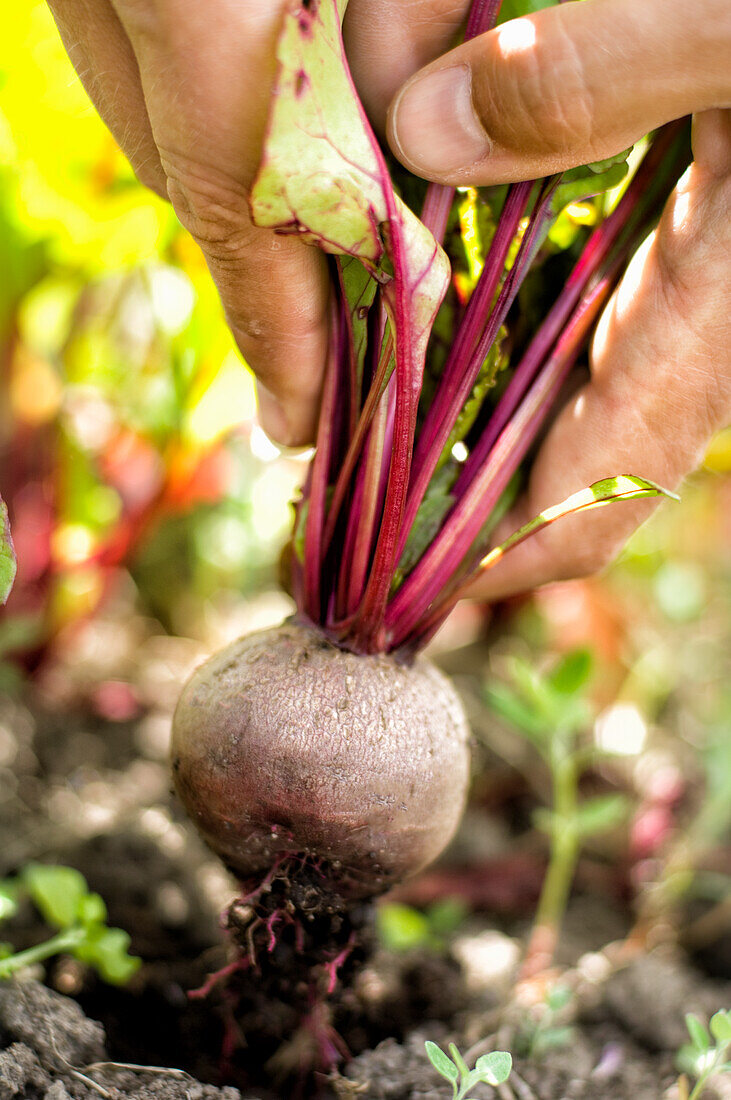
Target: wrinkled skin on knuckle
(212,207)
(548,82)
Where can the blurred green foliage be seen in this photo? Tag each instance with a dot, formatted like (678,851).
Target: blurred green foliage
(127,417)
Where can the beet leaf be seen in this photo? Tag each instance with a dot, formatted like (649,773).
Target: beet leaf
(8,564)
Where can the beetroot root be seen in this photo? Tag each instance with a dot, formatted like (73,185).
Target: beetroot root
(286,746)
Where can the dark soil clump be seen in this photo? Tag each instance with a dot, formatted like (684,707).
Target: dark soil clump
(51,1050)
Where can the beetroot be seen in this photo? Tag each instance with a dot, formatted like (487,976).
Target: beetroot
(325,760)
(284,745)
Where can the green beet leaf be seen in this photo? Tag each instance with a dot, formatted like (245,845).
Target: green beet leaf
(8,564)
(323,177)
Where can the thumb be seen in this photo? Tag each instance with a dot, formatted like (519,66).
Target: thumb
(566,86)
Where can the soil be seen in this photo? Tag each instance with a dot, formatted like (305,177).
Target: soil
(84,780)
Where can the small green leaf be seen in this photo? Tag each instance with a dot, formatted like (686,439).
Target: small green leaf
(494,1068)
(459,1060)
(597,815)
(721,1026)
(698,1032)
(599,166)
(511,707)
(586,184)
(688,1059)
(558,997)
(441,1062)
(401,928)
(56,891)
(572,672)
(8,900)
(8,564)
(446,916)
(106,949)
(600,493)
(552,1038)
(92,910)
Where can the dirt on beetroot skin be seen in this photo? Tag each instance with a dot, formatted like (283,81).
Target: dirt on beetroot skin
(95,794)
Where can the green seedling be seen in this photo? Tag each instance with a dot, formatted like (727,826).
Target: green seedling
(65,902)
(543,1029)
(490,1069)
(402,928)
(707,1052)
(551,711)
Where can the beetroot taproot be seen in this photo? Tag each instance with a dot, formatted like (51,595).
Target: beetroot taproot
(285,745)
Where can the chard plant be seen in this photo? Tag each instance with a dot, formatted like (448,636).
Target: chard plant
(551,711)
(79,917)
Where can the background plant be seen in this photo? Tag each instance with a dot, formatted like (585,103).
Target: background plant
(490,1069)
(706,1055)
(62,897)
(552,712)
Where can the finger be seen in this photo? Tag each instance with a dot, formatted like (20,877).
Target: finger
(101,53)
(387,41)
(569,85)
(661,383)
(207,72)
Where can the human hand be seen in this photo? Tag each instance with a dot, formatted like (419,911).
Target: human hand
(566,86)
(185,90)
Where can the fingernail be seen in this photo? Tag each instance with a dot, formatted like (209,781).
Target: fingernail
(434,125)
(272,416)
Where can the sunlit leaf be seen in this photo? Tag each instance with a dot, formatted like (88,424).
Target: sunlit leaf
(600,493)
(8,564)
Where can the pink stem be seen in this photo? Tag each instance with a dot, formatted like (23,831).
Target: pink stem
(320,477)
(455,387)
(471,512)
(369,512)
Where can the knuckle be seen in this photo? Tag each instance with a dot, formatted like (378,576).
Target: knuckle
(212,207)
(553,92)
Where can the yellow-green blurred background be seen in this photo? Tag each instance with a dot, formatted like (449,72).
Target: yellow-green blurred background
(127,418)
